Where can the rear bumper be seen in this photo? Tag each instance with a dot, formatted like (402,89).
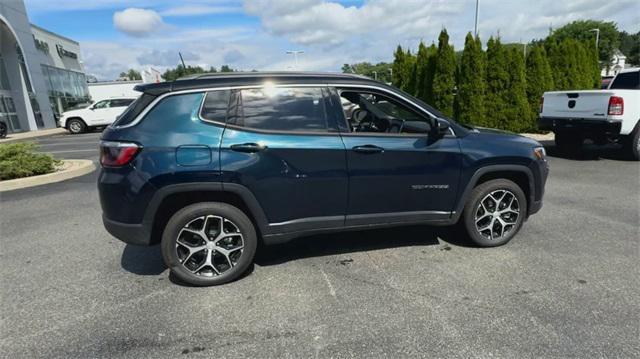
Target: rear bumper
(579,125)
(136,234)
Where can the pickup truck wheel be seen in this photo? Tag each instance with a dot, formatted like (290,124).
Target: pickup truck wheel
(632,143)
(209,243)
(494,212)
(568,143)
(76,126)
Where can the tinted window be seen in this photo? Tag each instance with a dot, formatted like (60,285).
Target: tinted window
(215,106)
(121,102)
(282,109)
(627,81)
(134,109)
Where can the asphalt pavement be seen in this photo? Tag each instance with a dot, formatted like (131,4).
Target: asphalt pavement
(566,286)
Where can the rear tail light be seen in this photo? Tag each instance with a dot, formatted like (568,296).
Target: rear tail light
(541,103)
(117,154)
(616,106)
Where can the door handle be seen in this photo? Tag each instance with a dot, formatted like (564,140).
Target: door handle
(248,147)
(368,149)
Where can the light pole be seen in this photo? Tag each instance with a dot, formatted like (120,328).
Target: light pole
(475,29)
(597,36)
(295,55)
(375,75)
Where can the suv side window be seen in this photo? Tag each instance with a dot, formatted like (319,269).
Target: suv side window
(373,112)
(288,109)
(102,104)
(215,106)
(121,102)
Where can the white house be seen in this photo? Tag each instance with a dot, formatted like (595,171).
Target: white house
(618,63)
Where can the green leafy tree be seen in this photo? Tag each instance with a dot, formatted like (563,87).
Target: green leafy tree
(630,47)
(539,80)
(432,56)
(421,69)
(497,84)
(131,75)
(581,30)
(226,68)
(409,74)
(517,111)
(444,76)
(472,83)
(380,71)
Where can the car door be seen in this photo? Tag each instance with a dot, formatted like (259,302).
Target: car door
(402,174)
(280,144)
(99,113)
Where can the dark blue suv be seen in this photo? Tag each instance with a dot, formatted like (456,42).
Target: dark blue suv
(210,165)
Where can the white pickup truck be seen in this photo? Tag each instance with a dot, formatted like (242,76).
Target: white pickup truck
(604,116)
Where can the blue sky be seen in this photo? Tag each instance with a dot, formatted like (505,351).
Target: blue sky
(255,34)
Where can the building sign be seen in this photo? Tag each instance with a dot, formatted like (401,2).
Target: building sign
(62,52)
(41,45)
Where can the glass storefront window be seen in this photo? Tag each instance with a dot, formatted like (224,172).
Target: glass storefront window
(4,79)
(66,88)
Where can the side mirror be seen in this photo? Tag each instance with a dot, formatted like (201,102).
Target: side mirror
(442,127)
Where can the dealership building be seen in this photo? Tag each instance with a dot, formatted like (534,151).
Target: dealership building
(41,73)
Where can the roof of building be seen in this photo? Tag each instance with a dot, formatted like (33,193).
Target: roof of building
(224,79)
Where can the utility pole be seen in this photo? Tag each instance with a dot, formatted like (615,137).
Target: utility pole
(181,60)
(295,55)
(475,29)
(597,36)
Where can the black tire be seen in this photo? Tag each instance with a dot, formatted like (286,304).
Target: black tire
(472,208)
(568,143)
(208,275)
(3,129)
(76,126)
(632,143)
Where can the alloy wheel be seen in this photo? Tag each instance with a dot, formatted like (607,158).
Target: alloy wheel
(75,126)
(497,214)
(209,245)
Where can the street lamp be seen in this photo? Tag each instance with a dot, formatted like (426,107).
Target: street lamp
(295,55)
(375,75)
(475,29)
(597,35)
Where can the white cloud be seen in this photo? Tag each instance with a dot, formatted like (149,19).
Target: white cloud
(137,22)
(200,10)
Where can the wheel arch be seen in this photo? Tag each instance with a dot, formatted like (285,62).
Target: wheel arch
(169,199)
(519,174)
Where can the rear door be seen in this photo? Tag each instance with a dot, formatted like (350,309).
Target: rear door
(100,113)
(281,145)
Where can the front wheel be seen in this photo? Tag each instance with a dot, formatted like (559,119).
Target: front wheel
(494,212)
(209,243)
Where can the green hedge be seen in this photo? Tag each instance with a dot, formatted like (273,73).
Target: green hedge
(19,160)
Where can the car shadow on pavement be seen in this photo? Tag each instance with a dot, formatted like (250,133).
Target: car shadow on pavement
(360,241)
(589,152)
(142,260)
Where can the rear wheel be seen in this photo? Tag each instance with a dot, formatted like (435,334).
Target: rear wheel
(495,212)
(568,143)
(3,129)
(76,126)
(208,243)
(632,143)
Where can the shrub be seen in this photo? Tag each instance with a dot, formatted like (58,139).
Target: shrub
(19,160)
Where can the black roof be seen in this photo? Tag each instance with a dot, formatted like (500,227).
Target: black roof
(225,79)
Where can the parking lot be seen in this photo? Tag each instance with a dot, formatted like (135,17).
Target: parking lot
(566,286)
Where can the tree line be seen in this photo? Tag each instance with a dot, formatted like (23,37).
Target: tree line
(500,85)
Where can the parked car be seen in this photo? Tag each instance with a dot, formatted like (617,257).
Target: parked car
(210,165)
(98,114)
(604,116)
(3,129)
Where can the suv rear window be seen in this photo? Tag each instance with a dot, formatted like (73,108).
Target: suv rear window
(280,109)
(215,106)
(627,81)
(134,109)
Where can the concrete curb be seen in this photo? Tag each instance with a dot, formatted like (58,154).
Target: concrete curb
(14,137)
(69,169)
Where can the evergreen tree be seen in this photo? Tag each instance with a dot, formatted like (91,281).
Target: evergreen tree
(422,59)
(444,76)
(518,113)
(594,65)
(497,84)
(471,83)
(539,80)
(398,67)
(432,56)
(409,75)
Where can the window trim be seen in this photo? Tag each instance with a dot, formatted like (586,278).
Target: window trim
(330,85)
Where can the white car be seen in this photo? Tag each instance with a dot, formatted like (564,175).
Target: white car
(100,113)
(604,116)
